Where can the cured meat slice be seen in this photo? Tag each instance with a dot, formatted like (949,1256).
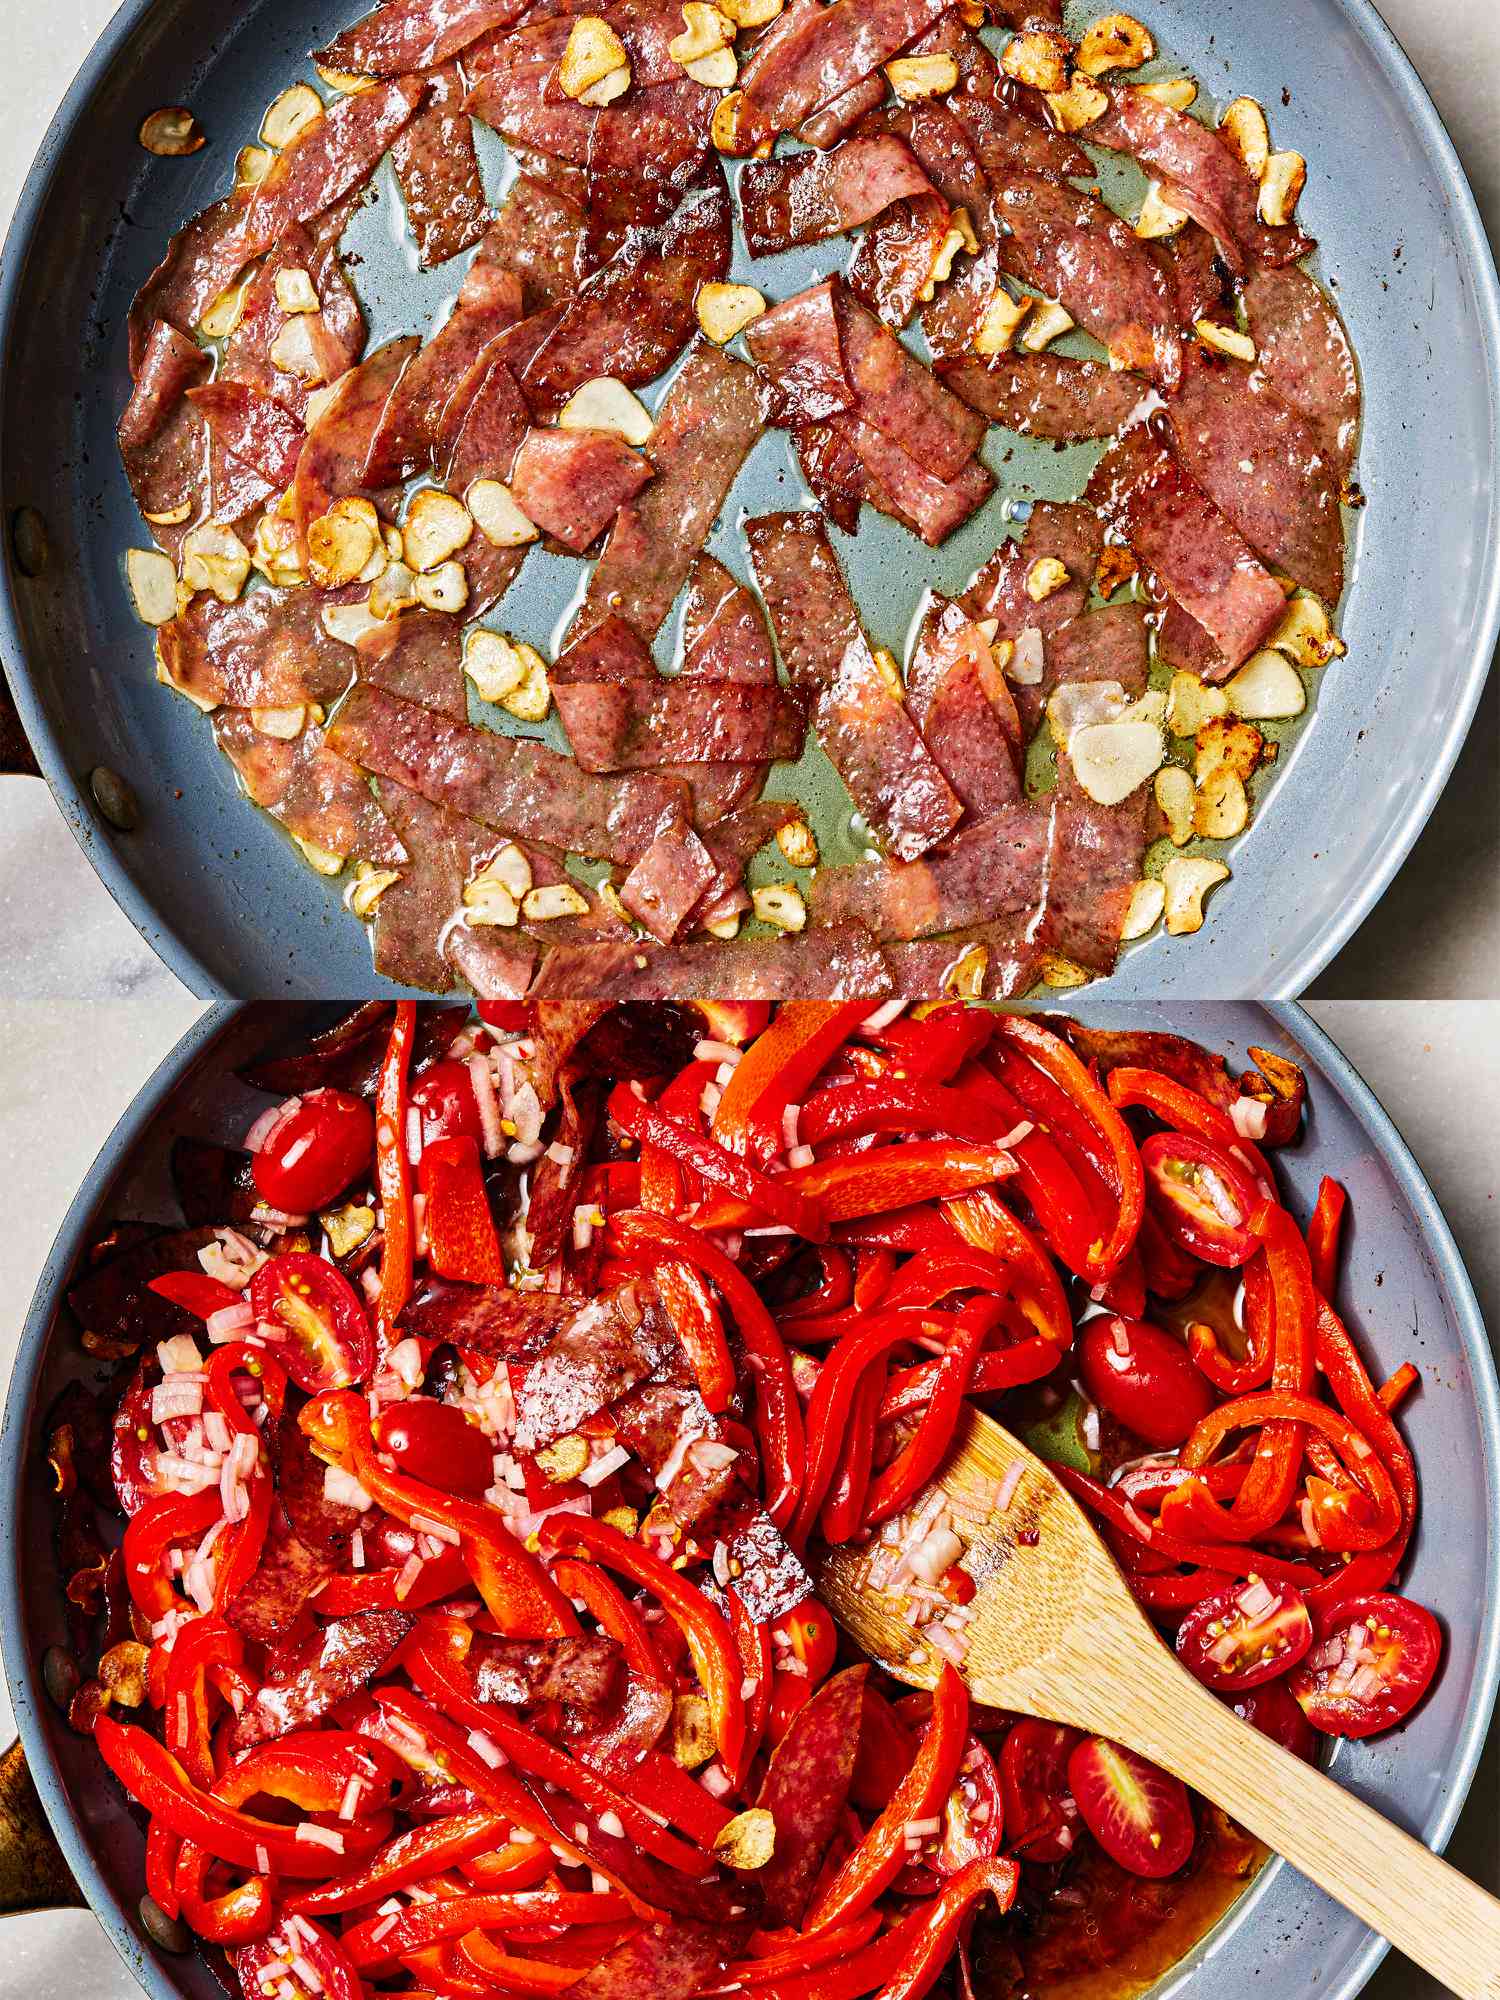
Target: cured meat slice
(269,650)
(1073,248)
(1186,647)
(163,443)
(1304,354)
(1264,469)
(808,196)
(491,1320)
(894,393)
(513,784)
(310,790)
(256,429)
(1139,488)
(419,926)
(587,1671)
(601,1352)
(668,882)
(731,841)
(797,343)
(200,261)
(896,483)
(928,967)
(1199,173)
(842,113)
(893,265)
(438,170)
(1007,124)
(724,636)
(946,151)
(1060,528)
(1200,281)
(608,651)
(962,704)
(661,1962)
(1110,644)
(837,963)
(1094,857)
(991,869)
(270,1601)
(626,725)
(406,436)
(634,316)
(952,319)
(542,235)
(829,50)
(573,483)
(1044,395)
(407,35)
(710,417)
(418,656)
(332,461)
(805,1789)
(334,1662)
(330,340)
(868,736)
(489,436)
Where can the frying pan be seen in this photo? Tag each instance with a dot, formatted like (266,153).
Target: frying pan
(1404,1286)
(217,888)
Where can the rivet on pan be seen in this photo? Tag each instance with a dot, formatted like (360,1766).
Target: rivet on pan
(28,539)
(114,798)
(60,1676)
(162,1929)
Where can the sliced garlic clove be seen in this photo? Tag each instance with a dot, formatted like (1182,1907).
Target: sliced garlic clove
(555,899)
(171,133)
(605,404)
(1281,188)
(531,698)
(1186,880)
(499,519)
(1173,791)
(780,904)
(436,527)
(1113,759)
(1244,129)
(1191,703)
(1039,59)
(295,291)
(1225,340)
(1143,912)
(445,588)
(798,844)
(214,558)
(916,77)
(1114,41)
(725,310)
(153,585)
(290,115)
(1268,688)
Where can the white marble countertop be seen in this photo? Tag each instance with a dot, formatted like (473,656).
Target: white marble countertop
(1436,1067)
(1436,932)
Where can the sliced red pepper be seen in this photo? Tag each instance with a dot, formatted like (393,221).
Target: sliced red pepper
(195,1292)
(777,1199)
(776,1070)
(1324,1228)
(429,1923)
(421,1851)
(442,1576)
(882,1854)
(1227,1558)
(833,1293)
(844,1509)
(186,1722)
(933,1049)
(155,1529)
(984,1221)
(162,1846)
(785,1951)
(613,1612)
(461,1238)
(237,1916)
(876,1182)
(1187,1110)
(392,1169)
(711,1644)
(909,1471)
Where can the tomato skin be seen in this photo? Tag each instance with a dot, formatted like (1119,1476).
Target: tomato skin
(1407,1642)
(436,1442)
(1138,1813)
(1144,1378)
(445,1097)
(1175,1163)
(806,1634)
(329,1344)
(1284,1630)
(973,1826)
(1272,1710)
(1034,1788)
(313,1153)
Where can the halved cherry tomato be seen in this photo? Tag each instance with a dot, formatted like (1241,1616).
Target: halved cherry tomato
(436,1442)
(1271,1708)
(805,1635)
(313,1152)
(1039,1809)
(510,1017)
(135,1454)
(1372,1668)
(973,1824)
(445,1097)
(1202,1197)
(263,1961)
(1245,1634)
(1144,1378)
(329,1344)
(1138,1813)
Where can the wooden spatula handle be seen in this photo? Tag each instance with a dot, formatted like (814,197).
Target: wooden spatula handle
(1449,1925)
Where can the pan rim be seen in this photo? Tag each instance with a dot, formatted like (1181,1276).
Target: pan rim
(1290,1019)
(146,911)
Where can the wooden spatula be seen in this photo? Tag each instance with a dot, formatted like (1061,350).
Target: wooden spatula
(1056,1634)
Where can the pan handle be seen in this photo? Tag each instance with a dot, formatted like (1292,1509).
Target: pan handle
(33,1873)
(16,759)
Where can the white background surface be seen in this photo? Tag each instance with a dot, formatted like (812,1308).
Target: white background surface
(69,1070)
(1436,930)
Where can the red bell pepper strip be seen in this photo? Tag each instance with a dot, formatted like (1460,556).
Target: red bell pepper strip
(429,1923)
(1394,1390)
(933,1049)
(848,1497)
(996,1369)
(778,1413)
(153,1530)
(909,1471)
(195,1291)
(922,1793)
(613,1612)
(782,1952)
(984,1221)
(1187,1110)
(882,1104)
(461,1238)
(684,1292)
(776,1199)
(204,1643)
(1324,1228)
(874,1183)
(503,1973)
(392,1170)
(1360,1458)
(776,1070)
(1177,1593)
(161,1865)
(155,1779)
(873,1271)
(715,1656)
(519,1594)
(422,1850)
(676,1796)
(754,1642)
(344,1596)
(835,1291)
(1227,1557)
(1121,1162)
(1238,1377)
(238,1916)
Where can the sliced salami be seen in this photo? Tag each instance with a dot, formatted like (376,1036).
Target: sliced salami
(990,870)
(438,170)
(808,196)
(962,704)
(310,790)
(269,650)
(1094,856)
(1045,395)
(572,483)
(840,963)
(1304,354)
